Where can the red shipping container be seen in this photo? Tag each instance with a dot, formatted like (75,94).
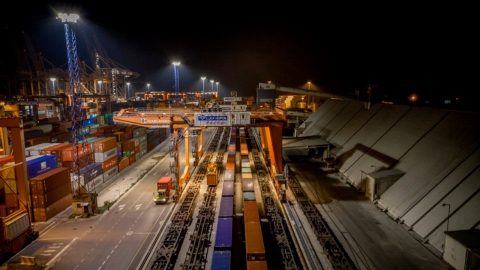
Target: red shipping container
(128,145)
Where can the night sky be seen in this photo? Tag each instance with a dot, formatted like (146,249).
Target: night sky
(401,50)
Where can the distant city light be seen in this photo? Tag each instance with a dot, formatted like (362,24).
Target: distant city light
(413,98)
(71,17)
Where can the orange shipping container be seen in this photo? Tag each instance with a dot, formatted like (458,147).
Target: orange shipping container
(45,213)
(254,247)
(55,150)
(50,197)
(123,163)
(257,265)
(250,212)
(69,153)
(49,181)
(105,144)
(109,163)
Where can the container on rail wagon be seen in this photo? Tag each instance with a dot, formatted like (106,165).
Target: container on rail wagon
(223,237)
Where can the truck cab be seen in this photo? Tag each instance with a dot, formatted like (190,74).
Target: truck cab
(163,192)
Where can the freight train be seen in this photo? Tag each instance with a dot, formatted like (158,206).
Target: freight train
(221,259)
(254,246)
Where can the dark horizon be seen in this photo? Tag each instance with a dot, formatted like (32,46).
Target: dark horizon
(396,54)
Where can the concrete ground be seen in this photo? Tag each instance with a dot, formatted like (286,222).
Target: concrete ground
(372,239)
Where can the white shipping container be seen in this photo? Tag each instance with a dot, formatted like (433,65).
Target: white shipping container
(102,156)
(16,226)
(35,150)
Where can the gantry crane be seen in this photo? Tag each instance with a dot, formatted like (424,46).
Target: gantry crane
(77,114)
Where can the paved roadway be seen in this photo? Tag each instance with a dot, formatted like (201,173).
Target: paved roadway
(373,240)
(111,240)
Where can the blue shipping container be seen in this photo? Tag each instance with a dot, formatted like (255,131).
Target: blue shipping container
(88,122)
(223,239)
(228,189)
(226,207)
(91,171)
(37,165)
(221,260)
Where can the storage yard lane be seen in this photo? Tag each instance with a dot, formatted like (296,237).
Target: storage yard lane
(111,240)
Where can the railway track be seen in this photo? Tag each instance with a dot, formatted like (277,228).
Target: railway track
(167,253)
(196,257)
(335,253)
(277,223)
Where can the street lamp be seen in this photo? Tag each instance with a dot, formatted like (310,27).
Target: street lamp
(211,82)
(148,86)
(217,87)
(203,83)
(53,84)
(100,86)
(448,216)
(309,84)
(175,74)
(128,91)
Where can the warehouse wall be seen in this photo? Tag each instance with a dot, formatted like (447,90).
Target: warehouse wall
(438,150)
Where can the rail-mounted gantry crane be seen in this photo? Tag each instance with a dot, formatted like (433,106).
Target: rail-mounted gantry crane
(86,200)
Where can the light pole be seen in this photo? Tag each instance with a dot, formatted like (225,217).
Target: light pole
(211,82)
(203,83)
(448,216)
(53,84)
(128,91)
(148,87)
(309,84)
(217,87)
(100,86)
(175,74)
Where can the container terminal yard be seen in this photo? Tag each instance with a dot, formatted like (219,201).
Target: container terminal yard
(93,176)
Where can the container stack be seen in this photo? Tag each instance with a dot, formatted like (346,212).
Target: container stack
(106,156)
(51,193)
(140,139)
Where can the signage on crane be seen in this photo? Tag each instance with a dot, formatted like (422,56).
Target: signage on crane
(212,119)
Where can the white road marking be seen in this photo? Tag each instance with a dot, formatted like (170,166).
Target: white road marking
(120,207)
(138,207)
(61,251)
